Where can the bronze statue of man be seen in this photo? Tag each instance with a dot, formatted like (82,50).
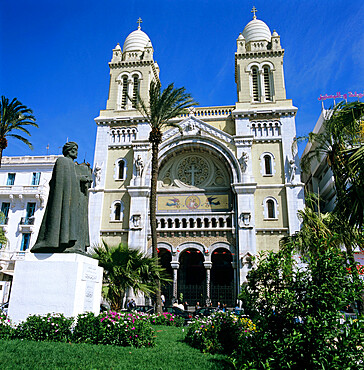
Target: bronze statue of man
(64,226)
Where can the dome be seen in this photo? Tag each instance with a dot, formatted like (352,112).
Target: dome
(136,41)
(256,30)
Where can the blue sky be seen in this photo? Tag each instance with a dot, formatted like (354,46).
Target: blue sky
(54,56)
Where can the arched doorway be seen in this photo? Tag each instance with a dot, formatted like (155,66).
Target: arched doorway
(165,258)
(192,277)
(222,278)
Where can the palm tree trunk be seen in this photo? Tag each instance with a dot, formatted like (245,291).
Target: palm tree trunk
(1,156)
(153,218)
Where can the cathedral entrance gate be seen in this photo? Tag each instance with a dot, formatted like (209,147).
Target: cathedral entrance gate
(192,277)
(222,278)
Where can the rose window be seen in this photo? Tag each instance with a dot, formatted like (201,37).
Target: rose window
(193,170)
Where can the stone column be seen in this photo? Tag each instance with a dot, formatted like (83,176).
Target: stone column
(208,265)
(175,267)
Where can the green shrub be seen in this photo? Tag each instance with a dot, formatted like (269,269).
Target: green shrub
(87,329)
(52,327)
(6,329)
(219,333)
(167,319)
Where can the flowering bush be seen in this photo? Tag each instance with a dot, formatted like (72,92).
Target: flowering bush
(52,327)
(6,329)
(166,318)
(220,332)
(126,329)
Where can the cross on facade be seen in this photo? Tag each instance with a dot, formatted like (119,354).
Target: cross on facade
(254,10)
(139,21)
(193,171)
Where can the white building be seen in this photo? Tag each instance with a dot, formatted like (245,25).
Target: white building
(23,196)
(229,187)
(320,179)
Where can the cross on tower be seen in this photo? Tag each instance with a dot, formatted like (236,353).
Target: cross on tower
(254,10)
(139,21)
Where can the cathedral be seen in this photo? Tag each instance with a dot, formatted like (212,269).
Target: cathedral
(229,183)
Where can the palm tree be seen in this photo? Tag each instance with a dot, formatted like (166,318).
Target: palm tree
(14,116)
(162,107)
(127,268)
(341,144)
(317,226)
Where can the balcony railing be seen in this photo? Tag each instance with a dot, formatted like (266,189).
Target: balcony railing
(27,221)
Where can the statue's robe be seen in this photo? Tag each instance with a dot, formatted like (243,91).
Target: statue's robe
(64,226)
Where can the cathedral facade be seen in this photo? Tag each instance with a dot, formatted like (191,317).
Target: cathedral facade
(229,184)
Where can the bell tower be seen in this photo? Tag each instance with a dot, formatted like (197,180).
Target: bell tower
(131,71)
(259,66)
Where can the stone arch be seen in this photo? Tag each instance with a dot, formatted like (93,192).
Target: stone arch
(216,148)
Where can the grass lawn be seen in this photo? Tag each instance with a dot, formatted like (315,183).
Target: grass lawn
(169,353)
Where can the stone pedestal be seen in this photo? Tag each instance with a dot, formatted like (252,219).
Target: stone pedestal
(67,283)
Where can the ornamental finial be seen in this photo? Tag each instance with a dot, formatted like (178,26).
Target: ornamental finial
(139,21)
(254,10)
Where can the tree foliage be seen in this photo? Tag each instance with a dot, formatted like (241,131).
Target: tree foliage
(340,143)
(296,305)
(127,268)
(14,120)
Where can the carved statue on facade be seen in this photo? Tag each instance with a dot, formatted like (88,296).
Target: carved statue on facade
(244,161)
(97,174)
(292,170)
(139,166)
(65,222)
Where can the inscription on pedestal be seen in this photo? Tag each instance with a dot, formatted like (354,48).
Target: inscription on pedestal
(89,296)
(90,273)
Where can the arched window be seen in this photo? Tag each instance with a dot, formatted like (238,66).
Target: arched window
(121,170)
(124,97)
(135,90)
(268,164)
(271,209)
(270,206)
(267,84)
(117,211)
(255,84)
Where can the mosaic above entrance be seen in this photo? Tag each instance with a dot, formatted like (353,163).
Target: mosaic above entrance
(193,202)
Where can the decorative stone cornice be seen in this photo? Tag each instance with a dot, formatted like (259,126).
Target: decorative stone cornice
(129,63)
(261,113)
(248,188)
(243,141)
(260,53)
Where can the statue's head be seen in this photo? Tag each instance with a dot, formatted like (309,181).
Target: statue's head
(70,149)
